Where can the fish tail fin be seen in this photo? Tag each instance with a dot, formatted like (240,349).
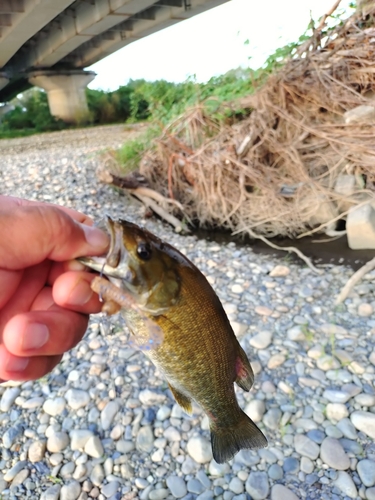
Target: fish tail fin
(227,441)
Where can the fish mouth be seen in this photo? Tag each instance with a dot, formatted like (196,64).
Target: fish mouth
(114,263)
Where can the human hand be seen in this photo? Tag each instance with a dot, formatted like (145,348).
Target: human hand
(45,296)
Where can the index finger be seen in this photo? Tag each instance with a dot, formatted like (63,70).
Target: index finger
(14,202)
(36,231)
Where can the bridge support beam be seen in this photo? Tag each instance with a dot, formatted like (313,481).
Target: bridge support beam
(65,92)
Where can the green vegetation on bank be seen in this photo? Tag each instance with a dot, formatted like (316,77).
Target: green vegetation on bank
(139,100)
(158,102)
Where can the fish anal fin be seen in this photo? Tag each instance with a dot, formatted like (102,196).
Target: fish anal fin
(244,372)
(181,399)
(226,441)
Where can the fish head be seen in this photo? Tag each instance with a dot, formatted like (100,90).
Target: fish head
(140,263)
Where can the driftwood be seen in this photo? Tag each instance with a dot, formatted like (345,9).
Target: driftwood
(288,249)
(356,278)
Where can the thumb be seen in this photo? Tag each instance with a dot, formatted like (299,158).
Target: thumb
(33,233)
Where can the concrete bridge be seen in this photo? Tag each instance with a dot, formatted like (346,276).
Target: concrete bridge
(48,43)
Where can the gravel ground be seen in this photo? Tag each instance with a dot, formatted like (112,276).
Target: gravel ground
(104,424)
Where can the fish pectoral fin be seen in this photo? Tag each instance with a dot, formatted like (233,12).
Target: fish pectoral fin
(245,375)
(228,440)
(181,399)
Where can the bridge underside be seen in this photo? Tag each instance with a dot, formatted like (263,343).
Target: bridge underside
(66,36)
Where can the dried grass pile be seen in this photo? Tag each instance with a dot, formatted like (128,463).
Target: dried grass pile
(274,173)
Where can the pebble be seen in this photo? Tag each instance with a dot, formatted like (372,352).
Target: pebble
(296,334)
(347,428)
(51,493)
(199,448)
(332,453)
(345,483)
(145,439)
(79,438)
(108,414)
(281,492)
(94,447)
(255,409)
(77,398)
(159,494)
(364,421)
(108,490)
(275,361)
(261,340)
(307,465)
(177,486)
(8,398)
(335,396)
(58,441)
(306,447)
(275,472)
(70,491)
(280,271)
(336,411)
(236,485)
(12,473)
(327,362)
(257,485)
(366,471)
(365,310)
(54,406)
(36,451)
(291,465)
(272,418)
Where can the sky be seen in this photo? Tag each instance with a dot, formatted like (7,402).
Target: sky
(211,43)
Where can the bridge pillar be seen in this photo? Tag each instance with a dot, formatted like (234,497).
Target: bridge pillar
(3,80)
(65,92)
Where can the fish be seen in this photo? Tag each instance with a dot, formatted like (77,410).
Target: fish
(169,305)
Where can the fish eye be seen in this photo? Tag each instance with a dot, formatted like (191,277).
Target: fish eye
(144,251)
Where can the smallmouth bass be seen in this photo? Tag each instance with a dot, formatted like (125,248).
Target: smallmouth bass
(197,351)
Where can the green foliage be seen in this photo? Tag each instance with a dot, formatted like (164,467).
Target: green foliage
(129,155)
(31,114)
(159,101)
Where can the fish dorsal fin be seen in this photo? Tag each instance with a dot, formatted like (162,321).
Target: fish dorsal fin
(181,399)
(244,372)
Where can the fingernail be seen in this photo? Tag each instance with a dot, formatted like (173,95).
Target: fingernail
(80,294)
(16,364)
(95,237)
(35,336)
(74,265)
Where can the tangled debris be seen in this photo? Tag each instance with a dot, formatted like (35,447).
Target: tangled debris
(301,158)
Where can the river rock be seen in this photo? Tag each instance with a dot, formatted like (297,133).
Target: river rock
(261,340)
(332,453)
(281,492)
(366,471)
(306,447)
(8,398)
(36,451)
(364,421)
(199,448)
(54,406)
(177,486)
(257,485)
(345,483)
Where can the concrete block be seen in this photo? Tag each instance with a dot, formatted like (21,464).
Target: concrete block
(360,227)
(360,114)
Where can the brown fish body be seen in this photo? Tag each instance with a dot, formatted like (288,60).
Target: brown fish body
(199,355)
